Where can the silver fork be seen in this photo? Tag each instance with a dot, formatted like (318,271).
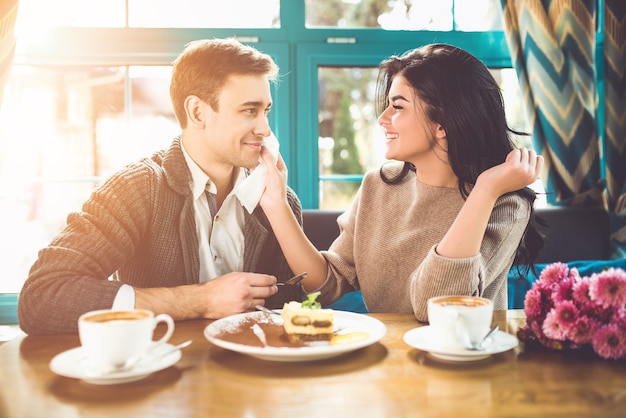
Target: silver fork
(267,310)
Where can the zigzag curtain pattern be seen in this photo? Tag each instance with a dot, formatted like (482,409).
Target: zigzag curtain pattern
(553,47)
(615,120)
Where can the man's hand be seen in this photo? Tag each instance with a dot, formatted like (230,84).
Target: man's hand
(236,292)
(229,294)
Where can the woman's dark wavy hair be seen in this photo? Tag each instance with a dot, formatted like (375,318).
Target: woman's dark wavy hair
(462,96)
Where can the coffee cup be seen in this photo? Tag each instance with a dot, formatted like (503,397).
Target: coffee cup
(112,339)
(459,322)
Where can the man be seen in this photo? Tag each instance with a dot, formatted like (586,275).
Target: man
(169,245)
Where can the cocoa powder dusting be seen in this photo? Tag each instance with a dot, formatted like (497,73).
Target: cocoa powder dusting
(242,334)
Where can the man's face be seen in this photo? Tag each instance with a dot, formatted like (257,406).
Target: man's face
(234,132)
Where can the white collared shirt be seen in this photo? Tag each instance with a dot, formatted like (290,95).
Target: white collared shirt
(220,240)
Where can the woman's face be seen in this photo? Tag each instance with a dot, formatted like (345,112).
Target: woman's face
(409,134)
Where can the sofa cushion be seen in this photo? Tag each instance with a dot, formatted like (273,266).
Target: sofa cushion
(351,302)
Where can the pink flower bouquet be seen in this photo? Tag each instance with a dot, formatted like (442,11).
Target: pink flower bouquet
(567,312)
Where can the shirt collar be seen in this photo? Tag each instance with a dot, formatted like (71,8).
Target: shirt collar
(199,179)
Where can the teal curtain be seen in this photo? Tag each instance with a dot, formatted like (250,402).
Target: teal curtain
(563,61)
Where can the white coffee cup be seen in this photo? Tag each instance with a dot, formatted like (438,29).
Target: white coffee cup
(458,322)
(114,338)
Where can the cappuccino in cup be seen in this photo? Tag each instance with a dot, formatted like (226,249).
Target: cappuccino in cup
(114,338)
(458,322)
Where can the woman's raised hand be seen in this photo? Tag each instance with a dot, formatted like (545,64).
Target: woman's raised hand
(521,168)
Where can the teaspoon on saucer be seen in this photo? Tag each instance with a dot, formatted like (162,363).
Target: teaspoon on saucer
(132,362)
(479,345)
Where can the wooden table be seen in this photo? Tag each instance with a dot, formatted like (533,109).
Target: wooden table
(387,379)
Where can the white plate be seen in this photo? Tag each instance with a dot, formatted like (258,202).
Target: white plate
(422,339)
(72,363)
(346,321)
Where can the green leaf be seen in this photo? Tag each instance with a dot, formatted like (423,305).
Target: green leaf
(310,302)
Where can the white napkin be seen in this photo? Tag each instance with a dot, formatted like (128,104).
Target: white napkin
(249,191)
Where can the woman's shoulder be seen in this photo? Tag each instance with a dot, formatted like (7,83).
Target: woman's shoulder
(390,169)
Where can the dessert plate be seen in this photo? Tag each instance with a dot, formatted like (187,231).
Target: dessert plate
(72,363)
(345,321)
(422,339)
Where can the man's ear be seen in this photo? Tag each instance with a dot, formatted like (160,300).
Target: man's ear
(194,110)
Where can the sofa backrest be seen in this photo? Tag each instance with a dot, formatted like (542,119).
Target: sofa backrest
(320,226)
(572,234)
(575,233)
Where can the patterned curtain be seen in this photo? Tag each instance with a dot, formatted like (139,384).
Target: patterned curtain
(615,120)
(553,46)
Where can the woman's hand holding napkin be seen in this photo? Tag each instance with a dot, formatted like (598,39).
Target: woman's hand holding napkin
(252,187)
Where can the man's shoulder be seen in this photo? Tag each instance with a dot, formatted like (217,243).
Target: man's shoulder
(166,166)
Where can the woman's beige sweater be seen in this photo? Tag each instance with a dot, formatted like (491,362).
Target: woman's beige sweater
(387,240)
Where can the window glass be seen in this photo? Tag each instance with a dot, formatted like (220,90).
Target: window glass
(350,139)
(477,15)
(442,15)
(204,14)
(62,129)
(84,13)
(385,14)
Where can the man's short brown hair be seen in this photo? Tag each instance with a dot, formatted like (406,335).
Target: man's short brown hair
(204,66)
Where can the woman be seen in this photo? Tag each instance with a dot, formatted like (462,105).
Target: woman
(449,216)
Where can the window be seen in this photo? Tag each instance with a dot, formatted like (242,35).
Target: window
(350,141)
(204,14)
(151,13)
(89,91)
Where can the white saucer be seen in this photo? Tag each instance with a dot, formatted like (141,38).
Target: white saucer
(71,363)
(422,339)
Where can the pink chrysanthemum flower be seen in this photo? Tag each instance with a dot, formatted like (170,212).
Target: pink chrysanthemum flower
(609,341)
(533,303)
(620,318)
(566,314)
(535,330)
(554,272)
(608,288)
(562,291)
(581,292)
(552,328)
(574,274)
(581,332)
(524,333)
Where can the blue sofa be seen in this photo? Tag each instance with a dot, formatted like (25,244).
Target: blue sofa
(577,236)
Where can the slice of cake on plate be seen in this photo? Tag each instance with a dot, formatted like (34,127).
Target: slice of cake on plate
(307,321)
